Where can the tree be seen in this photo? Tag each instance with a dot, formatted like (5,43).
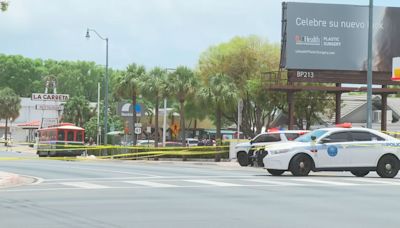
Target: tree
(77,111)
(3,5)
(195,109)
(310,105)
(219,92)
(10,104)
(127,86)
(182,83)
(19,73)
(244,60)
(91,125)
(26,76)
(153,87)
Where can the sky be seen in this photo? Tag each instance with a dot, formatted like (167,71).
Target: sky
(164,33)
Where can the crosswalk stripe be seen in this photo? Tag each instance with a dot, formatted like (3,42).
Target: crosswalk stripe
(274,182)
(216,183)
(84,185)
(373,181)
(151,184)
(325,182)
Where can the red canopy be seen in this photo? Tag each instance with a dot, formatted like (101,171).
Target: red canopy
(30,124)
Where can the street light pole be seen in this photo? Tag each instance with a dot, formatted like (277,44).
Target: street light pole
(369,74)
(165,114)
(106,83)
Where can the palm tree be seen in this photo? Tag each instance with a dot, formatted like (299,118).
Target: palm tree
(127,86)
(153,86)
(219,92)
(182,83)
(10,104)
(77,111)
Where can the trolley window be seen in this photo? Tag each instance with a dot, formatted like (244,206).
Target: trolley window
(79,136)
(70,136)
(61,135)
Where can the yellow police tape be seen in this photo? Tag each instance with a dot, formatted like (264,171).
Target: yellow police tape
(131,151)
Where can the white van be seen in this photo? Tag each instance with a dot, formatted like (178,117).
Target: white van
(191,142)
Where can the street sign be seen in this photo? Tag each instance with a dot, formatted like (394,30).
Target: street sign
(138,124)
(49,97)
(175,128)
(138,130)
(49,107)
(126,109)
(148,129)
(138,108)
(46,122)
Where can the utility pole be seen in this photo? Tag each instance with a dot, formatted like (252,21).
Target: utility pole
(369,74)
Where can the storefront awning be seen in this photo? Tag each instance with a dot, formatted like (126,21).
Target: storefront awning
(34,124)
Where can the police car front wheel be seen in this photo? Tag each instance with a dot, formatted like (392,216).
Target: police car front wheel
(243,158)
(301,165)
(388,166)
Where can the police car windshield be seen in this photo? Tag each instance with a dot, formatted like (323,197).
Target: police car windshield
(307,137)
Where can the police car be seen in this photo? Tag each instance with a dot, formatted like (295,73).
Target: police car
(358,150)
(245,152)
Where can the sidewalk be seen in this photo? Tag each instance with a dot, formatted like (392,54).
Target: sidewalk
(20,148)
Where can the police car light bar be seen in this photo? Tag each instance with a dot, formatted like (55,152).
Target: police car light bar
(344,125)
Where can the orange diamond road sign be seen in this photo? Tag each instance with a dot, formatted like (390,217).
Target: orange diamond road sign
(175,128)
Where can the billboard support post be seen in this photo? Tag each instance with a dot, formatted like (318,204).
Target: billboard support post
(290,100)
(369,74)
(338,98)
(384,110)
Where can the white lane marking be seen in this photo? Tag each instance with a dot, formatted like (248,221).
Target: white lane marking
(216,183)
(273,182)
(84,185)
(76,166)
(372,181)
(325,182)
(151,184)
(140,178)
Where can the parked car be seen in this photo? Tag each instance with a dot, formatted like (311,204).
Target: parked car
(245,152)
(172,144)
(192,142)
(358,150)
(148,143)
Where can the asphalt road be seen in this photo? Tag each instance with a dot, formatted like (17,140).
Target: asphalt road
(178,194)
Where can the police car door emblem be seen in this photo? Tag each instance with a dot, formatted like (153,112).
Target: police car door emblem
(332,151)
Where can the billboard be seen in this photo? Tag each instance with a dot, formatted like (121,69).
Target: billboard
(335,37)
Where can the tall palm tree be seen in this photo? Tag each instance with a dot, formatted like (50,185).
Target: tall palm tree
(182,83)
(219,91)
(10,104)
(77,111)
(127,86)
(153,86)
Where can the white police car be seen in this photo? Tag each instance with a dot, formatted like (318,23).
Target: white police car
(245,151)
(358,150)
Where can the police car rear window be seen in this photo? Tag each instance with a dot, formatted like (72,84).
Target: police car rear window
(365,136)
(292,136)
(267,138)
